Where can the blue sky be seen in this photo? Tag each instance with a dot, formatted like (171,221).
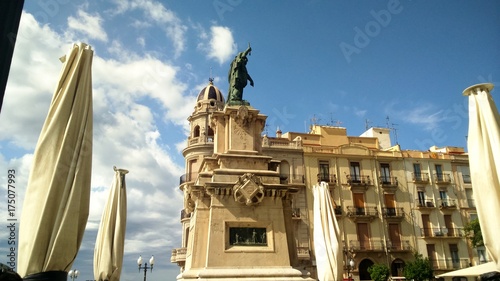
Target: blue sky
(345,63)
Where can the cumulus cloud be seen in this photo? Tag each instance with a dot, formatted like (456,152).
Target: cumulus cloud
(88,25)
(126,132)
(221,45)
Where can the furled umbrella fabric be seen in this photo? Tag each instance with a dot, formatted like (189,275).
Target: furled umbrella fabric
(109,246)
(56,204)
(483,144)
(326,235)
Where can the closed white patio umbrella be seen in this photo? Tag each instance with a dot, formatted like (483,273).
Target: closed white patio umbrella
(484,160)
(326,235)
(109,245)
(56,204)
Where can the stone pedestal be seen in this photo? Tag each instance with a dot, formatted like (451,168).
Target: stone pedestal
(238,229)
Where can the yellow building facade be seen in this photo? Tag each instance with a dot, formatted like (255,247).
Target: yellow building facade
(248,199)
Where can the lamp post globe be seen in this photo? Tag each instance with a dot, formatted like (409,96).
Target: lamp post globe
(146,267)
(73,274)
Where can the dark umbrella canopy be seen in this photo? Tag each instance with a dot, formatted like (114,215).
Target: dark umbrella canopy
(56,204)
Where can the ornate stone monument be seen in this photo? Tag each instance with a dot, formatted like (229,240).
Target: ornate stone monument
(237,216)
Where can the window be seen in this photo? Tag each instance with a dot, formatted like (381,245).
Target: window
(470,198)
(210,134)
(355,172)
(465,173)
(385,173)
(421,199)
(196,131)
(455,260)
(324,171)
(359,203)
(444,198)
(439,173)
(417,172)
(363,236)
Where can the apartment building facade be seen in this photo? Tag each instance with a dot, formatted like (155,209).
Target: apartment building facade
(240,185)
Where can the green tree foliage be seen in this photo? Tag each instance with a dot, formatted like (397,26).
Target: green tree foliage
(419,270)
(473,232)
(379,272)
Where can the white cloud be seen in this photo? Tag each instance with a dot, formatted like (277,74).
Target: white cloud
(161,16)
(88,25)
(126,133)
(221,45)
(424,115)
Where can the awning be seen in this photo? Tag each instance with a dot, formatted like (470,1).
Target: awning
(471,271)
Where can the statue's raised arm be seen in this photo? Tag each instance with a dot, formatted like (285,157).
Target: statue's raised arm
(238,77)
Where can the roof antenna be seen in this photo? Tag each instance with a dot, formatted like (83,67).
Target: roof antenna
(393,129)
(367,124)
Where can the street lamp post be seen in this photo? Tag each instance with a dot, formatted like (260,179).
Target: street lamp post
(349,262)
(73,274)
(146,267)
(351,267)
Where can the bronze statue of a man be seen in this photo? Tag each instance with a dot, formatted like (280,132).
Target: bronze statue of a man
(238,77)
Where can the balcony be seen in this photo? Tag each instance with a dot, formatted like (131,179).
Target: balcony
(303,253)
(178,255)
(185,215)
(399,246)
(447,203)
(425,204)
(371,245)
(388,183)
(362,213)
(436,232)
(188,177)
(442,178)
(357,182)
(330,179)
(396,214)
(451,264)
(420,177)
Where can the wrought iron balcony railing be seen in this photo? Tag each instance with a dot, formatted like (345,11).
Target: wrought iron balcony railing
(367,245)
(420,177)
(393,212)
(388,181)
(442,178)
(358,180)
(425,203)
(449,263)
(447,203)
(403,245)
(362,211)
(331,179)
(443,232)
